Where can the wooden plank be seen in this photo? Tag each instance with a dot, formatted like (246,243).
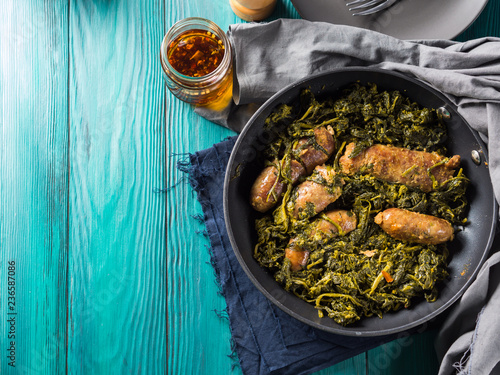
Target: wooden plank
(117,154)
(409,354)
(33,186)
(198,340)
(354,365)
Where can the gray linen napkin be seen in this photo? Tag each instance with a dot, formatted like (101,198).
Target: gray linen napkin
(269,56)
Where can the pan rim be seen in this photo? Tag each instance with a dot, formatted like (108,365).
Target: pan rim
(338,329)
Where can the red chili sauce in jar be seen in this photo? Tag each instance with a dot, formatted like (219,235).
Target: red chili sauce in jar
(195,53)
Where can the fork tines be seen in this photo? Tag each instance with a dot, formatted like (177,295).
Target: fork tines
(366,7)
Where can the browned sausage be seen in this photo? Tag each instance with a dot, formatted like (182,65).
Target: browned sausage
(322,228)
(401,165)
(411,226)
(315,194)
(315,151)
(268,187)
(297,255)
(307,154)
(329,224)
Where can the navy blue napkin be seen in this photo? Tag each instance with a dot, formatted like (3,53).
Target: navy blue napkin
(266,340)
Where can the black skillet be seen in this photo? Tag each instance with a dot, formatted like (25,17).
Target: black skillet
(468,250)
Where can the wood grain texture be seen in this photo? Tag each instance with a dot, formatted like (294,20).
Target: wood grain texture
(410,354)
(33,184)
(117,265)
(354,365)
(198,340)
(111,276)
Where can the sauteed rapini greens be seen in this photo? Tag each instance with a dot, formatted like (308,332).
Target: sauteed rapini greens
(364,272)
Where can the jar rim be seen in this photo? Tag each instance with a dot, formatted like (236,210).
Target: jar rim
(205,23)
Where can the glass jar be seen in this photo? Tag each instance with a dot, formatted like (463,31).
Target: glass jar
(202,56)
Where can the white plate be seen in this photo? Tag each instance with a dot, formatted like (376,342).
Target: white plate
(407,19)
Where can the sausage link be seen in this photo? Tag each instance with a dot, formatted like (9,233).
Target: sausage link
(401,165)
(314,195)
(307,154)
(411,226)
(313,152)
(297,255)
(268,187)
(329,225)
(322,228)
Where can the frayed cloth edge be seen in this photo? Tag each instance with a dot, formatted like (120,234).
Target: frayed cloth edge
(186,166)
(463,366)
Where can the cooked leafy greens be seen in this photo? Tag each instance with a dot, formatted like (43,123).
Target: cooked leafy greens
(364,272)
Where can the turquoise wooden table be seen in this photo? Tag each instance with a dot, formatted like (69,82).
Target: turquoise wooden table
(103,265)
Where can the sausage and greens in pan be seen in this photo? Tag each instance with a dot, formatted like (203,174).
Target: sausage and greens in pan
(359,200)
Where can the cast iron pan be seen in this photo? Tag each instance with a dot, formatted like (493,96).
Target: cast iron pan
(468,250)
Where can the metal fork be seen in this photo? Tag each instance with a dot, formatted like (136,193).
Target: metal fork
(366,7)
